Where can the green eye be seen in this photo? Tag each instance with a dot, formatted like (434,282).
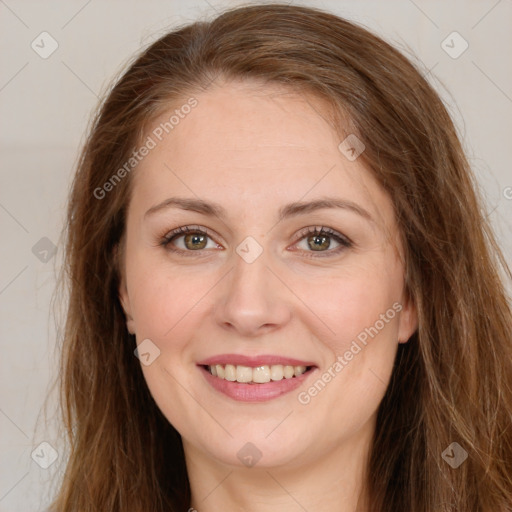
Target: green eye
(318,240)
(195,239)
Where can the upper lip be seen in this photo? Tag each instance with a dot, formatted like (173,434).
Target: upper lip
(253,361)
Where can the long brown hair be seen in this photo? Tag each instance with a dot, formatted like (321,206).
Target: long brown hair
(452,382)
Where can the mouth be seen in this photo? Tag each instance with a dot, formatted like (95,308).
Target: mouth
(258,379)
(257,375)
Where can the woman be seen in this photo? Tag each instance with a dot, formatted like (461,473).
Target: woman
(283,293)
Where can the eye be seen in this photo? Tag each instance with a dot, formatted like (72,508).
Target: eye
(320,240)
(188,239)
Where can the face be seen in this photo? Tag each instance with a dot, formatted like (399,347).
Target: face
(263,278)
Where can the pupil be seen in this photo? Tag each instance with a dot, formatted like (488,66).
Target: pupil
(320,242)
(195,240)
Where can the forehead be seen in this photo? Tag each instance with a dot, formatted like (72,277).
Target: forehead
(248,122)
(247,142)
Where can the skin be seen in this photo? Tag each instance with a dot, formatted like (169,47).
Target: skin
(253,149)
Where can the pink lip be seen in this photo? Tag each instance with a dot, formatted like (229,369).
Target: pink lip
(253,361)
(254,392)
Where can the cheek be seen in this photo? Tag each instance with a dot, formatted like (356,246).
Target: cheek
(354,299)
(359,359)
(164,299)
(361,308)
(363,311)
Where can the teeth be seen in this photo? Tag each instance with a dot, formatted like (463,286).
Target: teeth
(289,372)
(230,372)
(276,372)
(243,374)
(257,375)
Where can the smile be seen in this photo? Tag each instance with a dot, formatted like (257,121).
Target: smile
(254,379)
(257,375)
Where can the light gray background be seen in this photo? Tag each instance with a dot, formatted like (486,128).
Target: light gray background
(45,105)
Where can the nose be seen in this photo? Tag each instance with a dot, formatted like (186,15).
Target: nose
(252,300)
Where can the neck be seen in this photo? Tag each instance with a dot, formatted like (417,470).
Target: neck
(331,481)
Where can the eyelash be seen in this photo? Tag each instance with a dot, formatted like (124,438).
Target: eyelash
(344,242)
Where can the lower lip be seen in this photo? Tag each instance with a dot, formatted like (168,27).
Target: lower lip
(254,392)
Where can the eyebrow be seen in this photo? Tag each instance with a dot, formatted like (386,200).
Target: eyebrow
(289,210)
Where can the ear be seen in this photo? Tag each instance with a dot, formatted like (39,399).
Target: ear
(123,295)
(408,322)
